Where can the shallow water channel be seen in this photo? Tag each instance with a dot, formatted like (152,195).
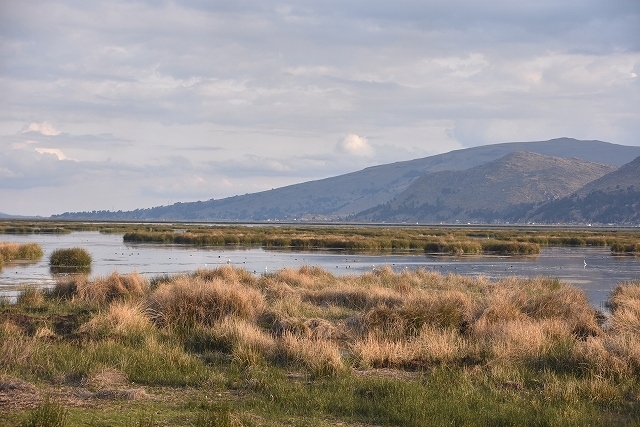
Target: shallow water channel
(600,275)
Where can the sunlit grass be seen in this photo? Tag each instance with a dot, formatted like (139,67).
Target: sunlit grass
(305,347)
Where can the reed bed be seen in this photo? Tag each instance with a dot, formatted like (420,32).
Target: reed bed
(457,241)
(19,252)
(343,342)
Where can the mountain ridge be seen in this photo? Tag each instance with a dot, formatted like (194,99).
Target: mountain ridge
(488,192)
(342,196)
(611,199)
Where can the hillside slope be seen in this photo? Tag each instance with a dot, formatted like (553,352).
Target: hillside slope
(611,199)
(489,192)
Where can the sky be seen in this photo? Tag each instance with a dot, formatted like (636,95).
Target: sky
(118,105)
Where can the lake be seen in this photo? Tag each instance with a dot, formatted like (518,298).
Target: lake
(601,274)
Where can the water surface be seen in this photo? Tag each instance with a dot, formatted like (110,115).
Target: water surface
(601,273)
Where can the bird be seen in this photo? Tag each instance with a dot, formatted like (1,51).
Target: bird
(585,263)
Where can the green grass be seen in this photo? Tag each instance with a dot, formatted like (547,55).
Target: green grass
(47,414)
(72,258)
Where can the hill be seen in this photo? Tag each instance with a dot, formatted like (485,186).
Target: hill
(490,192)
(344,195)
(611,199)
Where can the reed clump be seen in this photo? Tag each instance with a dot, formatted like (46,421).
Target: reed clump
(70,258)
(103,290)
(124,321)
(187,301)
(19,252)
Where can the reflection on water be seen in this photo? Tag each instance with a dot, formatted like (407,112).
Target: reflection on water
(600,274)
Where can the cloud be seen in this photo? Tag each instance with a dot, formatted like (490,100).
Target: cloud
(355,145)
(55,151)
(45,128)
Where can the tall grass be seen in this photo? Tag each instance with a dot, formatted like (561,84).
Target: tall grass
(188,301)
(102,290)
(408,348)
(15,251)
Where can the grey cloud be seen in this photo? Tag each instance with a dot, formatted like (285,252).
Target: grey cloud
(66,140)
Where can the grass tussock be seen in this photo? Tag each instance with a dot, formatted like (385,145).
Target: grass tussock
(70,258)
(125,321)
(188,301)
(103,290)
(380,348)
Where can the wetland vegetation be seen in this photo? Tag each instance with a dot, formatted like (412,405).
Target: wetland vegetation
(72,257)
(225,347)
(430,239)
(19,252)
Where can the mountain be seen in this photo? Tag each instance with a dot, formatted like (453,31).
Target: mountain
(340,196)
(490,192)
(611,199)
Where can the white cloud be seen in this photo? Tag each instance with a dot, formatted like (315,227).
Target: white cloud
(55,151)
(355,145)
(45,128)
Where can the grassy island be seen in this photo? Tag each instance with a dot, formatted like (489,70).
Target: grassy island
(442,240)
(70,259)
(367,239)
(224,347)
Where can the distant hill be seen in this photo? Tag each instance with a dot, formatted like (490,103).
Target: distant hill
(345,195)
(489,192)
(611,199)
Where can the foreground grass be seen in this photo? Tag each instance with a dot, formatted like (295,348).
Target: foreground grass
(304,347)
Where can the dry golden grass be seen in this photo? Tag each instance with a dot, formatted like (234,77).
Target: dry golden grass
(435,346)
(521,341)
(320,357)
(193,300)
(125,320)
(354,297)
(117,286)
(449,309)
(247,335)
(382,319)
(373,351)
(306,277)
(105,379)
(226,273)
(16,251)
(625,309)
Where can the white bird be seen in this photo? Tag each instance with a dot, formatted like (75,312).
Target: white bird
(585,263)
